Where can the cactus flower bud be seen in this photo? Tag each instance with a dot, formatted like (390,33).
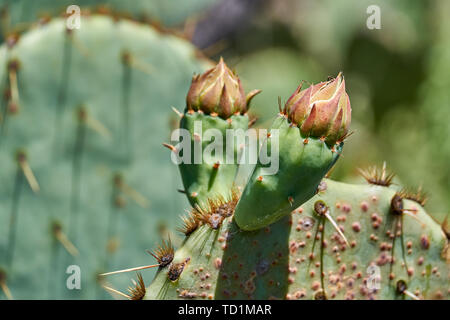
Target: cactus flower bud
(311,130)
(323,110)
(215,100)
(219,91)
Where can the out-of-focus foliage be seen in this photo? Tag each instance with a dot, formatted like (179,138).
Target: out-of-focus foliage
(327,27)
(279,78)
(435,103)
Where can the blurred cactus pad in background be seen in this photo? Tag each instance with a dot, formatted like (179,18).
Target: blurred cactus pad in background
(85,181)
(17,14)
(83,116)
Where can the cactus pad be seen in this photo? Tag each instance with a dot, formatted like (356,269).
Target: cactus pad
(83,114)
(395,251)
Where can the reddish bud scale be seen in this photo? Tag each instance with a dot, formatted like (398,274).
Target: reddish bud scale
(218,91)
(322,110)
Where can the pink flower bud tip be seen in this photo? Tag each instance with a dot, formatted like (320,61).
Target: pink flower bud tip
(322,110)
(218,90)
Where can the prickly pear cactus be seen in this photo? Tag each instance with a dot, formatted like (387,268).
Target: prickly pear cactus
(383,246)
(345,242)
(306,140)
(216,105)
(83,114)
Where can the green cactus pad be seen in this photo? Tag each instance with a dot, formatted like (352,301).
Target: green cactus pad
(303,162)
(120,73)
(207,179)
(173,12)
(302,256)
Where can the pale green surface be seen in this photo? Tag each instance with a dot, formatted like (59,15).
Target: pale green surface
(200,178)
(277,72)
(95,80)
(168,12)
(301,168)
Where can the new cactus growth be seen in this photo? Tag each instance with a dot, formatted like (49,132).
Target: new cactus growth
(216,102)
(346,242)
(310,133)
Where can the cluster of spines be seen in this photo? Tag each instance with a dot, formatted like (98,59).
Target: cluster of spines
(418,195)
(212,213)
(380,177)
(136,291)
(164,253)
